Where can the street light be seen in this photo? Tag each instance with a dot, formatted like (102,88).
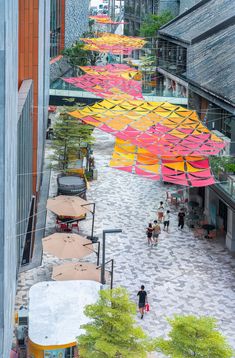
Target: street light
(110,231)
(92,238)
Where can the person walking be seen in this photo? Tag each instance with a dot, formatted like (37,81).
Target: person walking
(166,221)
(149,233)
(160,211)
(181,217)
(156,232)
(142,300)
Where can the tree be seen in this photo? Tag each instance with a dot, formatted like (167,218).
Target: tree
(112,332)
(78,56)
(69,135)
(152,23)
(193,336)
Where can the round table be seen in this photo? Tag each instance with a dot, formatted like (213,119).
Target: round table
(208,228)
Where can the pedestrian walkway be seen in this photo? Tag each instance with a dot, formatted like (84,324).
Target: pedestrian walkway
(183,275)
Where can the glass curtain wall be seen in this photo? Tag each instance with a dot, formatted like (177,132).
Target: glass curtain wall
(55,27)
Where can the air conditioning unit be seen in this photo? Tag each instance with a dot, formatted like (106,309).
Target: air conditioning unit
(226,151)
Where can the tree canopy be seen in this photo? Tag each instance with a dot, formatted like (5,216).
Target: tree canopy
(69,137)
(196,337)
(77,56)
(153,23)
(113,332)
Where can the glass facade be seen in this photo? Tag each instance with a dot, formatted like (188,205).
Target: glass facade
(55,27)
(24,169)
(172,57)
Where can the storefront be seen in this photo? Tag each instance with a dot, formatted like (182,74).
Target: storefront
(56,314)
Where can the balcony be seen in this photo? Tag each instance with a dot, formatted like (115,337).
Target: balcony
(224,172)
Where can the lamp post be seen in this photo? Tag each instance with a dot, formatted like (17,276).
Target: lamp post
(92,238)
(110,231)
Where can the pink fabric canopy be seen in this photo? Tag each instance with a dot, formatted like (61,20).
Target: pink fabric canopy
(161,143)
(108,86)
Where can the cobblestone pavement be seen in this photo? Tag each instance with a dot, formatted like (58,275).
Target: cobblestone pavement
(183,275)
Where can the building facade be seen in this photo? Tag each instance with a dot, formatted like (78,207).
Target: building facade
(135,11)
(134,14)
(68,21)
(196,57)
(24,93)
(33,55)
(8,169)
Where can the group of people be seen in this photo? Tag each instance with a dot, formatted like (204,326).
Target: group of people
(154,230)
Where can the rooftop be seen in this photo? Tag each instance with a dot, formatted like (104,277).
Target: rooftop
(56,310)
(201,18)
(214,54)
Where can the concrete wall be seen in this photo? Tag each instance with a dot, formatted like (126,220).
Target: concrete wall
(58,69)
(76,20)
(8,165)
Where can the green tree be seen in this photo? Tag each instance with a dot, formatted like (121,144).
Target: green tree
(70,136)
(193,336)
(152,23)
(112,332)
(76,56)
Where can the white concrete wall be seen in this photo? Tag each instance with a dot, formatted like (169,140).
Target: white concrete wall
(76,20)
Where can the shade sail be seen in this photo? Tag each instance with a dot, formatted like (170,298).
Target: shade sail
(105,19)
(161,128)
(189,171)
(121,70)
(113,43)
(77,271)
(67,246)
(106,86)
(68,206)
(135,160)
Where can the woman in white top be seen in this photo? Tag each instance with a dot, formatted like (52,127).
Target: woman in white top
(166,220)
(160,211)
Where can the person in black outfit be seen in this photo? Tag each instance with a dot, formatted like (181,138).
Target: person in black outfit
(149,233)
(142,300)
(181,216)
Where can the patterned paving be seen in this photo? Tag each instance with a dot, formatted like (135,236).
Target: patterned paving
(183,275)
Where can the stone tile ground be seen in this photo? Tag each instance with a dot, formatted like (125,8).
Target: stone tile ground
(183,275)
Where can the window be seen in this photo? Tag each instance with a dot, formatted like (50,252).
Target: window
(55,27)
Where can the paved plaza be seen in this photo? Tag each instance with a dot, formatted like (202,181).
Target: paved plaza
(183,275)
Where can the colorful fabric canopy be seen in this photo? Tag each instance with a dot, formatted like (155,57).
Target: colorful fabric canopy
(121,70)
(113,43)
(189,171)
(161,128)
(105,19)
(135,160)
(106,86)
